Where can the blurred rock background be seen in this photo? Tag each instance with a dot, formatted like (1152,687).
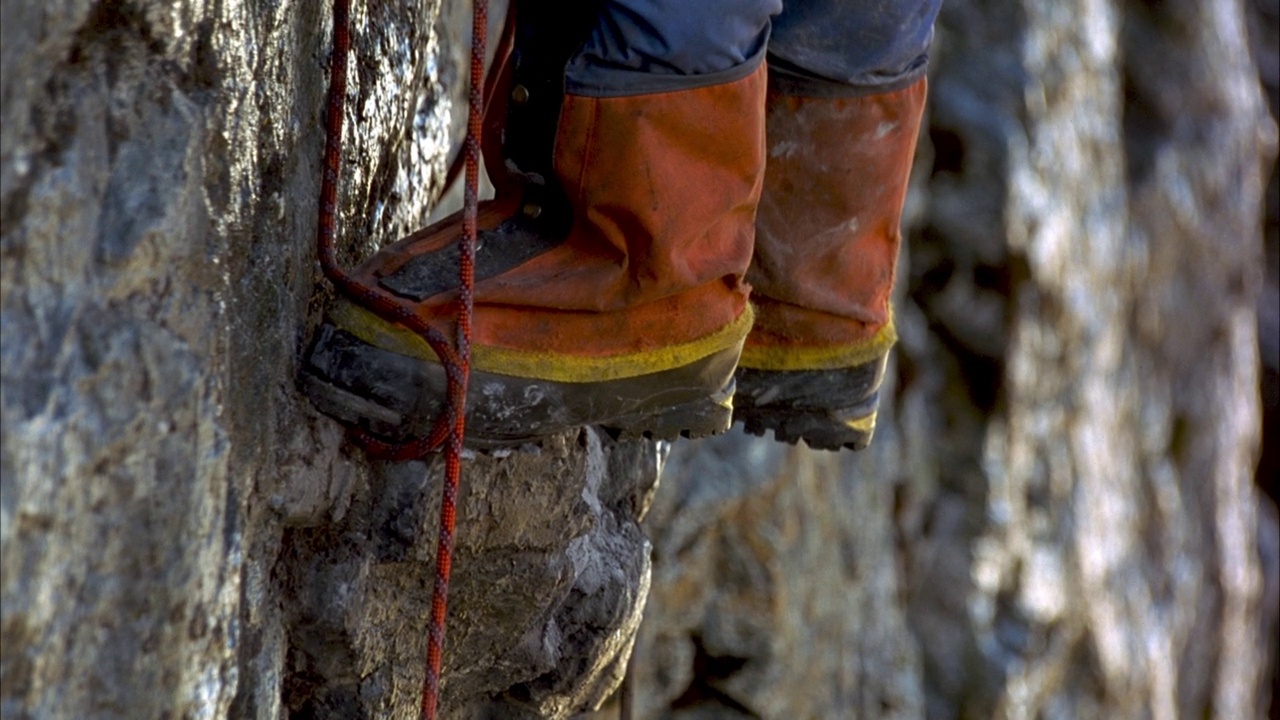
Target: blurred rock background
(1060,518)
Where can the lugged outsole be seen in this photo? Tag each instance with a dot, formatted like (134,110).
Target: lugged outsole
(704,417)
(817,429)
(827,409)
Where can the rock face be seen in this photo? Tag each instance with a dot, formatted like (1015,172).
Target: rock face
(776,588)
(181,535)
(1058,519)
(552,574)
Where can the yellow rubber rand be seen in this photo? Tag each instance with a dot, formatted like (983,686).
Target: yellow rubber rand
(540,364)
(824,357)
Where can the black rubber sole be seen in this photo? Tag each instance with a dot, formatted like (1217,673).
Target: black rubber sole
(827,409)
(821,430)
(705,416)
(398,397)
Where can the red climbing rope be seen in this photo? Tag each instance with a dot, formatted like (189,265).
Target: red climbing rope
(453,450)
(449,428)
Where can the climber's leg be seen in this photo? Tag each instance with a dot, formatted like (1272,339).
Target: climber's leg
(609,285)
(846,93)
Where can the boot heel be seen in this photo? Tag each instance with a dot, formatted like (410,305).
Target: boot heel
(819,429)
(828,409)
(708,415)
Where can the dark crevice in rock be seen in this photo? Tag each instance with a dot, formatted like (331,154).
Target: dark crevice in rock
(708,671)
(111,24)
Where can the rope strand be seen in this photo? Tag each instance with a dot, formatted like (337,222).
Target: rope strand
(449,429)
(458,391)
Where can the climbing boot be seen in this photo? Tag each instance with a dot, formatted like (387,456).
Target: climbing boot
(827,236)
(608,294)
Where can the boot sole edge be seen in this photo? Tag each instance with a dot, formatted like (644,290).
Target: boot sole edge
(665,405)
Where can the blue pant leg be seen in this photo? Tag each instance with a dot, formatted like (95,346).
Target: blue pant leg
(847,48)
(647,46)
